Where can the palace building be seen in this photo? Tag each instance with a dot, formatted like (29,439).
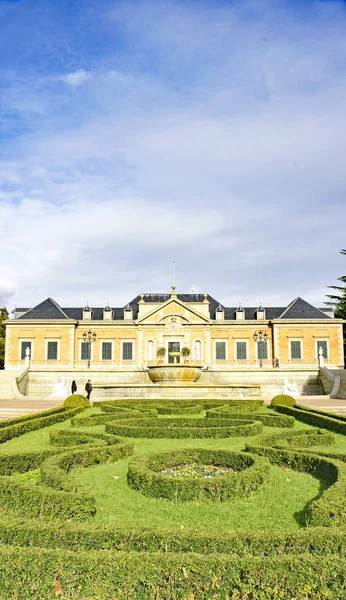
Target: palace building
(119,345)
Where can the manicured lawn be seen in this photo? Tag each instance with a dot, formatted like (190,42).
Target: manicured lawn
(278,505)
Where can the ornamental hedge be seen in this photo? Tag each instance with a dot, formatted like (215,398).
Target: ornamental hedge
(57,498)
(317,419)
(180,410)
(43,573)
(145,474)
(180,428)
(329,509)
(37,421)
(269,420)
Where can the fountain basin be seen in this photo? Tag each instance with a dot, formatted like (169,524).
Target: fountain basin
(175,373)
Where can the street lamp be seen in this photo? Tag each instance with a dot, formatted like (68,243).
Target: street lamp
(262,339)
(89,337)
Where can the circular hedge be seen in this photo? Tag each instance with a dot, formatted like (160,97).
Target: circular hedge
(249,472)
(184,428)
(283,400)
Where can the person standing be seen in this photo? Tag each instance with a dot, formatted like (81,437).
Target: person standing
(88,388)
(73,387)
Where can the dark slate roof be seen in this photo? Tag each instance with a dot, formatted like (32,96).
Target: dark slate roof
(297,309)
(300,309)
(48,309)
(271,312)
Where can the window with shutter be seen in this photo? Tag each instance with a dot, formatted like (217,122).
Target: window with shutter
(220,350)
(127,351)
(262,350)
(52,350)
(106,350)
(296,350)
(85,349)
(241,350)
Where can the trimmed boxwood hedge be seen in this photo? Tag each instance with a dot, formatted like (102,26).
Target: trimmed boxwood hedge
(180,428)
(57,498)
(145,475)
(329,509)
(76,535)
(283,400)
(180,410)
(127,575)
(36,422)
(269,420)
(101,419)
(317,419)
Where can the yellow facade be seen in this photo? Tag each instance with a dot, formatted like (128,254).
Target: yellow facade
(132,343)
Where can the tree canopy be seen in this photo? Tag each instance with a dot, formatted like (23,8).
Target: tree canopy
(338,300)
(3,317)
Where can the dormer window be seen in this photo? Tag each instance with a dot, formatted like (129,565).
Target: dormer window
(260,313)
(107,313)
(128,313)
(240,313)
(87,313)
(219,313)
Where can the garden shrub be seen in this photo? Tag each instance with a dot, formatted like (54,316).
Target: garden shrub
(180,410)
(283,400)
(314,418)
(329,509)
(38,421)
(62,501)
(129,575)
(269,420)
(145,474)
(76,400)
(180,428)
(108,417)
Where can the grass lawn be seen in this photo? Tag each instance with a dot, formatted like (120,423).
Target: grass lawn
(278,505)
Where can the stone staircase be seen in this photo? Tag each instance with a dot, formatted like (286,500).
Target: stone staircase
(8,385)
(342,388)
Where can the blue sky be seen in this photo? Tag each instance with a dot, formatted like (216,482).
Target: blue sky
(135,134)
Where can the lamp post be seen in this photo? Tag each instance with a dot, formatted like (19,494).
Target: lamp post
(262,339)
(89,337)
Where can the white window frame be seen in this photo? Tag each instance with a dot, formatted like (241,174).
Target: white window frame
(58,350)
(317,347)
(127,360)
(112,350)
(242,360)
(31,340)
(226,350)
(91,350)
(301,349)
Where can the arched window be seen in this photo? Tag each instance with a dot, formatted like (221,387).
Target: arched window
(198,350)
(150,350)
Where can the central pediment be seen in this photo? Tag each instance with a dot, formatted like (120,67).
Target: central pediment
(174,309)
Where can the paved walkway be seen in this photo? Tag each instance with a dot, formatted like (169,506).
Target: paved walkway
(28,405)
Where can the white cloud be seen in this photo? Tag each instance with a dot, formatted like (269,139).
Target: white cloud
(76,78)
(214,138)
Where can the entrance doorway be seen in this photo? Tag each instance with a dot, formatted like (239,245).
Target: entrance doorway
(173,347)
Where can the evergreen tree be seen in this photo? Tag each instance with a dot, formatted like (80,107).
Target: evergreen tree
(338,301)
(3,317)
